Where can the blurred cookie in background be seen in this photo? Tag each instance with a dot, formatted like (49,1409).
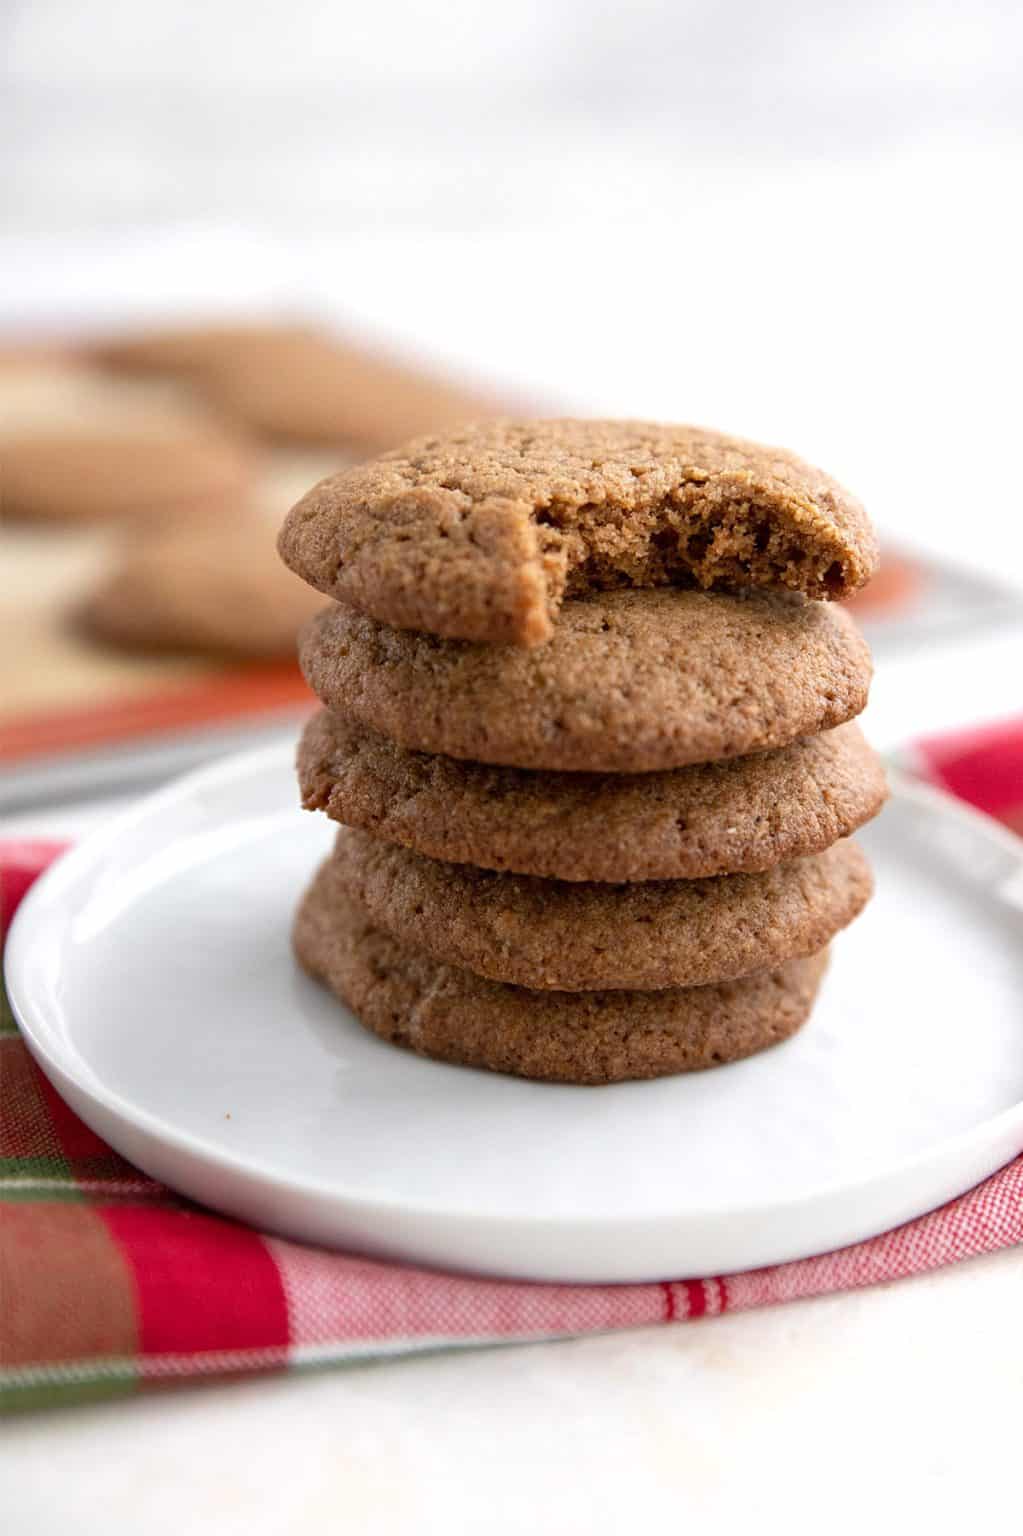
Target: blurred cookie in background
(78,447)
(61,475)
(19,357)
(53,386)
(296,384)
(216,590)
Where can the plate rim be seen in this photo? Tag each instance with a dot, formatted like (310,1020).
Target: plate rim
(76,862)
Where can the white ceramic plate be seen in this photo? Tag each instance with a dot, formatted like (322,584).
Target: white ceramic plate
(152,975)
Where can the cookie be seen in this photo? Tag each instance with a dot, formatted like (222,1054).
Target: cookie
(219,589)
(90,477)
(481,534)
(404,995)
(302,385)
(743,814)
(575,936)
(630,682)
(55,396)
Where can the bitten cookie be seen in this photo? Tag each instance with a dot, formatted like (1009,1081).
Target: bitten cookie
(410,999)
(219,589)
(481,533)
(302,385)
(575,936)
(745,814)
(99,476)
(630,682)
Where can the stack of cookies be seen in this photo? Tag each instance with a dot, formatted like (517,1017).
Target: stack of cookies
(587,731)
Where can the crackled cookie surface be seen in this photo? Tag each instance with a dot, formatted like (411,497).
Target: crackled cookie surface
(746,813)
(574,936)
(630,682)
(410,999)
(481,533)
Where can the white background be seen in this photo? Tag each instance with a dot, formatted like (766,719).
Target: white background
(417,115)
(796,220)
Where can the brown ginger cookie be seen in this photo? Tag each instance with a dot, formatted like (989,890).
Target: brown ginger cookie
(481,533)
(91,476)
(404,995)
(574,936)
(298,384)
(630,682)
(216,589)
(743,814)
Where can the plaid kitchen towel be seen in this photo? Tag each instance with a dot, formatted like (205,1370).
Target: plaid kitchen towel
(109,1283)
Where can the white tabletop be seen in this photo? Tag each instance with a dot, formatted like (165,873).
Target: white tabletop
(893,1408)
